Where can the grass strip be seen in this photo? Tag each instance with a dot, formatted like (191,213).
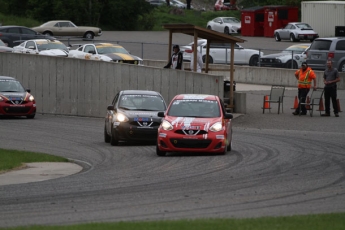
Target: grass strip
(10,159)
(334,221)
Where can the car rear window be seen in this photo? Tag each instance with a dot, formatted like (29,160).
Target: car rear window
(321,45)
(340,45)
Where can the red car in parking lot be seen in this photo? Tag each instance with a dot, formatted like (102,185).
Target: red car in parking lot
(15,100)
(195,123)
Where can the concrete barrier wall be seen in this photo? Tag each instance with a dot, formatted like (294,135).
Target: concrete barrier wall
(85,88)
(257,75)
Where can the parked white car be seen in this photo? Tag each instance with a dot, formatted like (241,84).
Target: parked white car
(227,25)
(220,53)
(4,47)
(43,47)
(291,57)
(105,52)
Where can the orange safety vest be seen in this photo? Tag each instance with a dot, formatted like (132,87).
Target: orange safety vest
(305,78)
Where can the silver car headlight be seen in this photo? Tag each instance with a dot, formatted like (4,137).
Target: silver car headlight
(166,125)
(216,127)
(121,117)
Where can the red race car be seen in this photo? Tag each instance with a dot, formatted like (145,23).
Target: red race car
(195,123)
(15,100)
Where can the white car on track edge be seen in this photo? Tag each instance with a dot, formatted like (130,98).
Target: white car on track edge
(43,47)
(105,52)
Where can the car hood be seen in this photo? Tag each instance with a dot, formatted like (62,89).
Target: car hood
(54,52)
(237,25)
(192,122)
(5,49)
(121,56)
(15,95)
(277,55)
(131,114)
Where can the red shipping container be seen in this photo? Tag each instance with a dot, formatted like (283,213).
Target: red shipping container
(252,21)
(277,17)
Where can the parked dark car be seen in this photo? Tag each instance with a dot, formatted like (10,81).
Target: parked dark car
(14,35)
(323,49)
(132,117)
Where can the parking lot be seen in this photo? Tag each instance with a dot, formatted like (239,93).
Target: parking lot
(154,45)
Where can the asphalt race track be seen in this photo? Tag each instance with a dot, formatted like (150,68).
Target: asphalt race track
(280,165)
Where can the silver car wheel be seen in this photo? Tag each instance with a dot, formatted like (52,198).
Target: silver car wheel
(277,37)
(292,38)
(342,67)
(89,35)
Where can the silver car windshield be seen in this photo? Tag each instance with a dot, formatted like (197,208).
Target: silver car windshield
(296,50)
(304,26)
(111,49)
(231,20)
(49,46)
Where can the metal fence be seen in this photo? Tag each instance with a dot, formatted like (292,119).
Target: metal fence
(159,51)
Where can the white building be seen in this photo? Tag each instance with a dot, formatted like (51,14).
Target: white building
(324,16)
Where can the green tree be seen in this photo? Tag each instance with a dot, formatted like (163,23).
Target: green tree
(109,14)
(126,14)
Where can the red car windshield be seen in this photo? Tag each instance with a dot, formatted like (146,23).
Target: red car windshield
(11,86)
(194,108)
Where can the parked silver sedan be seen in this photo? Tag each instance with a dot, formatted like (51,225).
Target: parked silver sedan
(295,31)
(227,25)
(291,57)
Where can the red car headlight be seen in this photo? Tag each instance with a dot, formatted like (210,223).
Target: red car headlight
(216,127)
(31,98)
(166,125)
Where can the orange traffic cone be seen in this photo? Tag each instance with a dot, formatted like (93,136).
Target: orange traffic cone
(307,106)
(338,104)
(295,105)
(321,108)
(267,103)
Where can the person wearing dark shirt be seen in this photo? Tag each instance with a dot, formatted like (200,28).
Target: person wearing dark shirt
(176,60)
(330,79)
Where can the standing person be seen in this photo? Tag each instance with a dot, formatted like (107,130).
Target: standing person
(304,76)
(176,59)
(330,79)
(188,4)
(199,63)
